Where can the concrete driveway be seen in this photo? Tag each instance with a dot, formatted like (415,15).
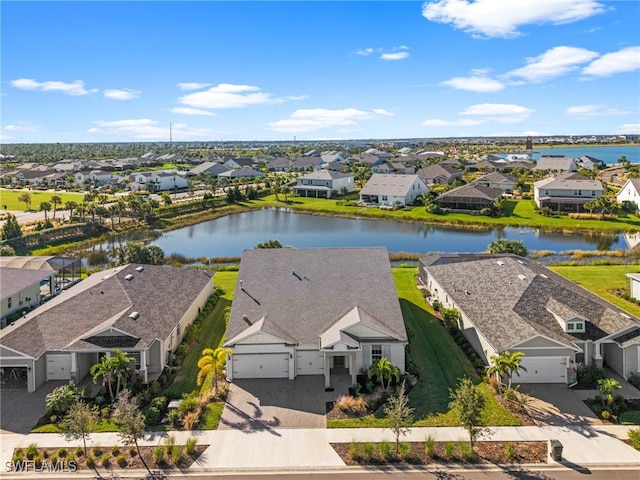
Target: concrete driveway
(556,404)
(269,403)
(20,410)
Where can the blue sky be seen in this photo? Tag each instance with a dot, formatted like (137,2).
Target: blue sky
(123,71)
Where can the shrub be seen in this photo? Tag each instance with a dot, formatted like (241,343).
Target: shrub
(97,451)
(355,449)
(634,437)
(155,410)
(78,452)
(169,442)
(632,417)
(115,451)
(190,420)
(404,449)
(62,452)
(386,450)
(37,460)
(368,450)
(62,397)
(31,451)
(465,452)
(91,461)
(448,449)
(176,454)
(18,457)
(133,451)
(121,460)
(104,460)
(634,379)
(430,447)
(588,376)
(158,454)
(347,403)
(53,459)
(190,445)
(511,452)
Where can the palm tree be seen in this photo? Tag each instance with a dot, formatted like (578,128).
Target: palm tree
(45,207)
(606,387)
(212,360)
(383,370)
(512,363)
(104,368)
(55,201)
(71,206)
(121,365)
(497,368)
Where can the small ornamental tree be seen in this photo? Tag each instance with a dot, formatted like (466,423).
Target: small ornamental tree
(400,414)
(467,401)
(130,421)
(502,245)
(606,387)
(11,228)
(79,422)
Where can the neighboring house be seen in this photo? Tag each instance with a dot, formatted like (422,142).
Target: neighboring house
(384,167)
(556,163)
(313,312)
(468,197)
(333,156)
(281,164)
(498,180)
(403,168)
(439,175)
(323,183)
(240,162)
(630,192)
(589,163)
(157,181)
(20,290)
(213,169)
(142,310)
(634,279)
(64,271)
(508,303)
(308,164)
(241,173)
(390,190)
(95,177)
(567,192)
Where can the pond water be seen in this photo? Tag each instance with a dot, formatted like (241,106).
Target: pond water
(230,235)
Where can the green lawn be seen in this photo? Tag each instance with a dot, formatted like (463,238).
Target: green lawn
(519,213)
(440,364)
(211,335)
(10,198)
(600,279)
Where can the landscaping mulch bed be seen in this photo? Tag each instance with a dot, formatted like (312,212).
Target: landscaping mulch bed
(50,457)
(484,453)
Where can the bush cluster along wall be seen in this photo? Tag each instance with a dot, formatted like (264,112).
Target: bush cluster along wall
(51,235)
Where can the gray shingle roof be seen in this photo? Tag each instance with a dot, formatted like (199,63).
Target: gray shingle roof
(392,185)
(508,299)
(305,291)
(14,280)
(569,181)
(161,295)
(470,191)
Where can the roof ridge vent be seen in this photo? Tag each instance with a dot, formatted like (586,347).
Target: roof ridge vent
(128,277)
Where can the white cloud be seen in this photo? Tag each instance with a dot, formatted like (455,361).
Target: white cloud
(148,129)
(122,94)
(307,120)
(75,88)
(192,85)
(555,62)
(226,95)
(500,18)
(191,111)
(499,112)
(365,51)
(629,129)
(590,111)
(21,128)
(477,82)
(625,60)
(394,56)
(463,122)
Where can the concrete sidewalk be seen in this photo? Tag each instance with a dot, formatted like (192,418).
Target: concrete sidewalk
(311,449)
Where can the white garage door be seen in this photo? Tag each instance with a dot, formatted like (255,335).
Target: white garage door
(265,365)
(542,370)
(309,362)
(58,366)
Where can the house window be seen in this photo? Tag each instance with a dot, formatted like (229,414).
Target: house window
(384,198)
(9,302)
(376,353)
(546,192)
(593,193)
(570,327)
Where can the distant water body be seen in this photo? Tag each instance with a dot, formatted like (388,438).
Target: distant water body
(608,155)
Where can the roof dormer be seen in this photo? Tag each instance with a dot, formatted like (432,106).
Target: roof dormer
(569,320)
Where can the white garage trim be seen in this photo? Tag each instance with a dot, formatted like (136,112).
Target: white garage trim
(543,370)
(260,365)
(309,362)
(58,366)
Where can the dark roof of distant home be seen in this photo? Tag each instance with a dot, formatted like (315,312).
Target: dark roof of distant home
(303,292)
(160,294)
(436,170)
(324,175)
(511,299)
(15,280)
(496,177)
(469,192)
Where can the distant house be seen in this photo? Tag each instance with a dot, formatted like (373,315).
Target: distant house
(323,184)
(391,190)
(281,164)
(308,164)
(590,163)
(156,181)
(239,162)
(329,157)
(567,192)
(384,167)
(241,173)
(143,310)
(508,303)
(439,175)
(345,316)
(468,197)
(501,181)
(213,169)
(630,192)
(634,286)
(556,163)
(21,289)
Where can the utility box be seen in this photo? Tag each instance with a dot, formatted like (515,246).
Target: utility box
(555,449)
